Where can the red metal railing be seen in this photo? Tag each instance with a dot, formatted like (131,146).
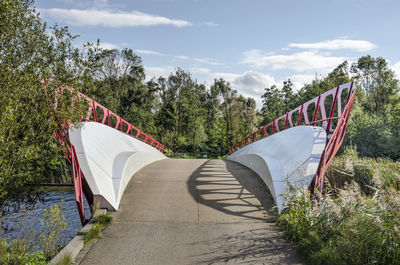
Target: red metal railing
(95,113)
(334,122)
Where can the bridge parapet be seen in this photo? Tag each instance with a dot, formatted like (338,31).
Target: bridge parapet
(108,159)
(289,158)
(337,101)
(95,113)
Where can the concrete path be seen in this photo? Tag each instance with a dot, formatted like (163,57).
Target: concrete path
(179,211)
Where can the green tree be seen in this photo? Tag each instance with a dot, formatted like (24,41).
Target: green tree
(28,152)
(231,107)
(377,80)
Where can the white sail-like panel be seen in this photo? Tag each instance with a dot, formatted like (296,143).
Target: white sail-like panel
(290,157)
(108,159)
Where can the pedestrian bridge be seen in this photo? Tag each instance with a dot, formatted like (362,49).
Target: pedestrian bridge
(173,211)
(187,211)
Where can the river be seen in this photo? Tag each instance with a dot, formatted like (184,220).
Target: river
(16,223)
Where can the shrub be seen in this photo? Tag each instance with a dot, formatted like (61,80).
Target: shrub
(104,219)
(52,225)
(356,224)
(93,233)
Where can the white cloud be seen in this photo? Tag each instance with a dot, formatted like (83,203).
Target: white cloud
(199,70)
(301,61)
(86,3)
(150,52)
(157,71)
(110,19)
(356,45)
(396,69)
(208,61)
(209,23)
(249,84)
(156,53)
(108,46)
(182,57)
(253,83)
(300,80)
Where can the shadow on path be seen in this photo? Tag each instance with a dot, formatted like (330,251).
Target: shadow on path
(232,189)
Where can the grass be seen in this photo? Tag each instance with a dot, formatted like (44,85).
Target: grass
(358,219)
(101,222)
(93,233)
(65,260)
(104,219)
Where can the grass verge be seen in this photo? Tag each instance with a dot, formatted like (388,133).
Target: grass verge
(358,219)
(101,222)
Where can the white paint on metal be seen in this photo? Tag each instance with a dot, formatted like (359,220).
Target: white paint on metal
(109,158)
(287,158)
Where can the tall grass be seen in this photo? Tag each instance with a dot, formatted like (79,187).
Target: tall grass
(358,219)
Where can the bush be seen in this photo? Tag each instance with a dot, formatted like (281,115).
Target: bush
(358,223)
(104,219)
(19,252)
(101,222)
(93,233)
(52,225)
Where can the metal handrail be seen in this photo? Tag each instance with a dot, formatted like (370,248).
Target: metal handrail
(334,135)
(93,115)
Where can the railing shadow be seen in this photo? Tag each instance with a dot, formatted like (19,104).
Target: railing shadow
(259,245)
(232,189)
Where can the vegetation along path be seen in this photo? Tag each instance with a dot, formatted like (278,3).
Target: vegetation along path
(179,211)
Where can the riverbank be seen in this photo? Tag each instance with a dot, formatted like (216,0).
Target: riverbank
(23,226)
(358,221)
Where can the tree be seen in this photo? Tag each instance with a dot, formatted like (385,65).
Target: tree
(28,152)
(377,80)
(230,108)
(273,104)
(249,116)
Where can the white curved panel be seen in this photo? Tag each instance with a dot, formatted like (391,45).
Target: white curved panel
(109,158)
(290,157)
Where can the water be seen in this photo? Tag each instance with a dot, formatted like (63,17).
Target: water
(16,223)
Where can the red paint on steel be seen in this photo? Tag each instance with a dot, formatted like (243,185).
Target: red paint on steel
(334,136)
(69,149)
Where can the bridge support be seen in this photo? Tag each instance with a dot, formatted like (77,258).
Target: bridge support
(108,159)
(288,158)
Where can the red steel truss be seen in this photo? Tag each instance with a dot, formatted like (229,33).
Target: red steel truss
(334,122)
(95,113)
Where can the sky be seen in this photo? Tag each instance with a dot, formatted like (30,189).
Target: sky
(251,44)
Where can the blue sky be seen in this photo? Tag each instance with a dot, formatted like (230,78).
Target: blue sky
(252,44)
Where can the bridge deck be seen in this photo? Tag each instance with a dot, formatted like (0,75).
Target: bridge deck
(180,211)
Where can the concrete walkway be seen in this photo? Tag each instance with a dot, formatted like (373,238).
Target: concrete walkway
(179,211)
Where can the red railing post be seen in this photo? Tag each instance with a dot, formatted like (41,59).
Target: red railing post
(316,111)
(300,115)
(332,110)
(286,120)
(94,111)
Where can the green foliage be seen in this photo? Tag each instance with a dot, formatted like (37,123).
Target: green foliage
(377,81)
(373,134)
(52,225)
(349,227)
(17,252)
(104,219)
(65,260)
(277,102)
(28,54)
(93,233)
(101,222)
(23,250)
